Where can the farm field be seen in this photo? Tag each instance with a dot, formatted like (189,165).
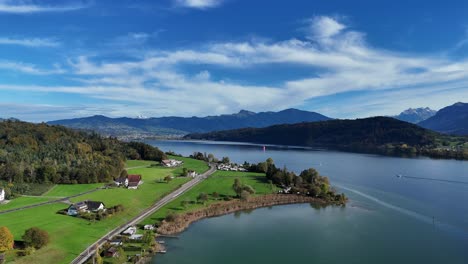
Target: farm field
(70,235)
(23,201)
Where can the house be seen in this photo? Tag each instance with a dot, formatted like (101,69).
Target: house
(112,252)
(85,206)
(130,231)
(116,242)
(133,181)
(148,227)
(191,173)
(121,181)
(2,194)
(136,237)
(171,163)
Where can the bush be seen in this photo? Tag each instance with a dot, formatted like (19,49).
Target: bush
(35,237)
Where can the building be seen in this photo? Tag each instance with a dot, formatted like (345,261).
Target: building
(149,227)
(2,194)
(171,163)
(130,231)
(112,252)
(122,181)
(85,206)
(134,181)
(191,173)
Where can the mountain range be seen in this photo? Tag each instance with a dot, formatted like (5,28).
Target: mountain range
(177,126)
(449,120)
(416,115)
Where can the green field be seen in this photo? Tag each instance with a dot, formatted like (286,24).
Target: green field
(23,201)
(70,235)
(65,190)
(220,182)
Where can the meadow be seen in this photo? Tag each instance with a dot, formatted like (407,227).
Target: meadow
(220,182)
(70,235)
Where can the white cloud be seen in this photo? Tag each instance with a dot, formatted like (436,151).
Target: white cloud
(198,4)
(25,7)
(323,28)
(29,42)
(339,59)
(29,68)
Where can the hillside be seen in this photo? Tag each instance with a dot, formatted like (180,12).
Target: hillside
(449,120)
(164,126)
(415,115)
(376,134)
(40,153)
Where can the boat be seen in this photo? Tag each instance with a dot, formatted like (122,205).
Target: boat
(399,175)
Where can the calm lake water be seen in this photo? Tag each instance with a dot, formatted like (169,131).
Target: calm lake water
(421,217)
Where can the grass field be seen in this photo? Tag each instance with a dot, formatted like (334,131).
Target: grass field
(23,201)
(220,182)
(70,235)
(65,190)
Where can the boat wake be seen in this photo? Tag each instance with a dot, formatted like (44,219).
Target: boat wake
(426,219)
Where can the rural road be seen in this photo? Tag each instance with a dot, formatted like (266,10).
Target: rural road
(88,252)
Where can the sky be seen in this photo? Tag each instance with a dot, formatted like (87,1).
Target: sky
(344,59)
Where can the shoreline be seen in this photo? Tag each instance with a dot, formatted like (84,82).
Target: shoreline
(183,221)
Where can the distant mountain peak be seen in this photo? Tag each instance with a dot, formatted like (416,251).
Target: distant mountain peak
(416,115)
(450,120)
(246,112)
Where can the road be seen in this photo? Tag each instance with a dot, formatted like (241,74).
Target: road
(88,252)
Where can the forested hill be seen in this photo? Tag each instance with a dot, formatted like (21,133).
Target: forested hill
(382,134)
(40,153)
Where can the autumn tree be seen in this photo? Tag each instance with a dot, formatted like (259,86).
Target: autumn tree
(6,239)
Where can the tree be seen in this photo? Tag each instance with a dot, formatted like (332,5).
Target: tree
(202,197)
(237,186)
(215,195)
(226,160)
(97,257)
(184,172)
(36,237)
(168,178)
(211,157)
(6,239)
(244,196)
(148,238)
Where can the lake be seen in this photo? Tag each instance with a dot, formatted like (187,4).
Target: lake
(421,217)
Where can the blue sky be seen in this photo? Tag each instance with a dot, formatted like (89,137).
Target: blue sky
(344,59)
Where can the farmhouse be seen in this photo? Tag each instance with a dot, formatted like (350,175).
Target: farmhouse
(122,181)
(171,163)
(85,206)
(149,227)
(133,181)
(2,194)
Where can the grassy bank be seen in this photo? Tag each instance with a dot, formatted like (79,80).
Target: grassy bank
(220,182)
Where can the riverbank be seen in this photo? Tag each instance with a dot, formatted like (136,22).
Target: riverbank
(182,222)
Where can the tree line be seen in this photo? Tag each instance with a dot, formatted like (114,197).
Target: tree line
(40,153)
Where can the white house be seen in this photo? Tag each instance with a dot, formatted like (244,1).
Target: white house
(171,163)
(2,195)
(130,231)
(149,227)
(86,206)
(191,173)
(122,181)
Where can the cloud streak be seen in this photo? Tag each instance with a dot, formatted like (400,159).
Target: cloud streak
(198,4)
(29,42)
(22,7)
